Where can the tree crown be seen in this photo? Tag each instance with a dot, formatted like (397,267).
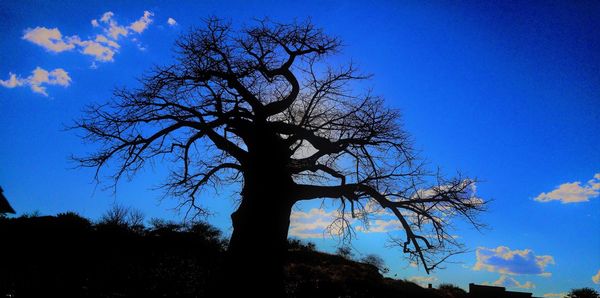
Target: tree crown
(233,97)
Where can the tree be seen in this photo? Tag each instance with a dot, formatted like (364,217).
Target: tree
(345,252)
(260,107)
(377,261)
(452,291)
(583,293)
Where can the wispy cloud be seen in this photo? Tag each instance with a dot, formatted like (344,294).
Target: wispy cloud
(171,22)
(39,79)
(573,192)
(318,223)
(514,262)
(423,280)
(596,278)
(381,226)
(509,282)
(103,47)
(555,294)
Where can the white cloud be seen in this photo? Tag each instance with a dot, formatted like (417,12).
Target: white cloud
(171,22)
(50,39)
(573,192)
(318,223)
(100,52)
(381,226)
(115,31)
(423,280)
(103,48)
(12,81)
(560,295)
(110,43)
(107,16)
(514,262)
(312,224)
(97,50)
(509,282)
(38,80)
(596,278)
(140,25)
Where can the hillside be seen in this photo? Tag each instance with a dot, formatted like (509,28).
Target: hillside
(69,256)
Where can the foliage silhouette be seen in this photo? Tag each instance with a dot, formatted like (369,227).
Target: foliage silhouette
(345,252)
(5,207)
(377,261)
(69,256)
(452,291)
(583,293)
(260,107)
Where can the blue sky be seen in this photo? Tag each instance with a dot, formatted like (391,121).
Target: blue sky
(508,93)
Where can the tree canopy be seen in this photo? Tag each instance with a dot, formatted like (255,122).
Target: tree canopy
(262,108)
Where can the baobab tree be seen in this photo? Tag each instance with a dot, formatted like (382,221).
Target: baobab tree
(261,108)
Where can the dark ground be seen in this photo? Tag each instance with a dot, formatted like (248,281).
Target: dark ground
(68,256)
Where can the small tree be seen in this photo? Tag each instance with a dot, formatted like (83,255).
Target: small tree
(261,108)
(115,216)
(377,261)
(345,252)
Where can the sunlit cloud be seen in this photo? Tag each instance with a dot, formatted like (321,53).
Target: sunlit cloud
(101,52)
(514,262)
(596,278)
(573,192)
(12,81)
(509,282)
(114,30)
(102,39)
(171,22)
(106,17)
(103,48)
(39,79)
(49,39)
(140,25)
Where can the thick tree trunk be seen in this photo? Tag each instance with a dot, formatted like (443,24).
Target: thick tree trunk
(258,245)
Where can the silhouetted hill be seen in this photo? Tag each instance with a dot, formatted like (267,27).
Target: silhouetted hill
(69,256)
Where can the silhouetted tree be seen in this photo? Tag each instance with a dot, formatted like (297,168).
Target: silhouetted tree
(345,252)
(583,293)
(260,107)
(4,205)
(117,215)
(452,291)
(377,261)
